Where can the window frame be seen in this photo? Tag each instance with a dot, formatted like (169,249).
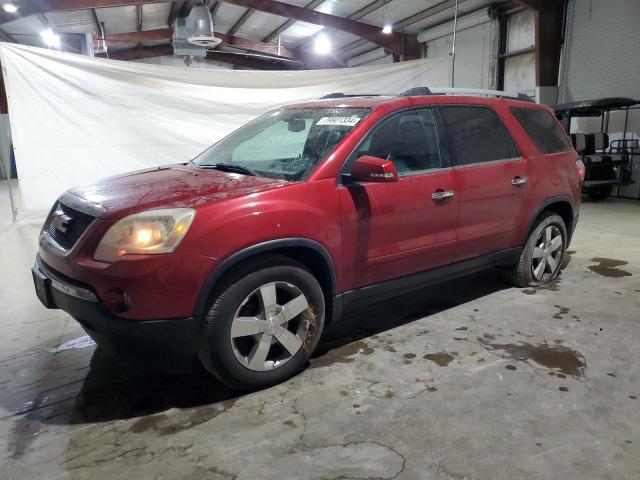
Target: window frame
(451,140)
(443,145)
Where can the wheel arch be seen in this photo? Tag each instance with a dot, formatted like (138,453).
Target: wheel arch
(560,205)
(309,253)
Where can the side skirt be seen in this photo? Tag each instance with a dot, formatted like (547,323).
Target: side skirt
(398,286)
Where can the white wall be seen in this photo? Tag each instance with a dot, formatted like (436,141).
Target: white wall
(476,48)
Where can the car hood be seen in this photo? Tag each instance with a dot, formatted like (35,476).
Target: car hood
(170,186)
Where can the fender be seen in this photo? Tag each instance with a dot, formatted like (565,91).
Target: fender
(545,204)
(264,247)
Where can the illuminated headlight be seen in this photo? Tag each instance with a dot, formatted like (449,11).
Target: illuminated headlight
(150,232)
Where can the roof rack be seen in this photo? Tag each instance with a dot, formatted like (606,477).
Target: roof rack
(465,91)
(343,95)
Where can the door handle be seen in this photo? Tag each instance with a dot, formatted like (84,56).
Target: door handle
(441,194)
(517,181)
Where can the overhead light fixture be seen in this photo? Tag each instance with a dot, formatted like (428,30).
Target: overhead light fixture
(50,39)
(322,45)
(387,29)
(10,8)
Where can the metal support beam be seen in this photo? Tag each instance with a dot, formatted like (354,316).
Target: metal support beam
(423,14)
(241,21)
(401,43)
(32,7)
(286,25)
(549,23)
(165,34)
(243,61)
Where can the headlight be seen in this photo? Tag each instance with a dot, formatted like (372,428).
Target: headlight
(153,231)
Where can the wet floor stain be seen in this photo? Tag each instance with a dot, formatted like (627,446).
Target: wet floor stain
(343,354)
(555,357)
(442,359)
(409,355)
(510,367)
(553,285)
(162,424)
(608,267)
(561,311)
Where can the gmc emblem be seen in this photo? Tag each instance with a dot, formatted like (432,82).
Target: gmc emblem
(61,221)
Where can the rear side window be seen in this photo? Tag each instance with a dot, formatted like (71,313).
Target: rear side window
(543,129)
(477,135)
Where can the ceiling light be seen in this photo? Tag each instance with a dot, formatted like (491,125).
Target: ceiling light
(322,45)
(387,29)
(50,39)
(10,8)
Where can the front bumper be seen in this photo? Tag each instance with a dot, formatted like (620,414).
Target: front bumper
(176,337)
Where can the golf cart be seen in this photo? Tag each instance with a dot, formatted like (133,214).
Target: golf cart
(607,163)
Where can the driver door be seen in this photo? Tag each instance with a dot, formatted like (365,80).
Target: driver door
(394,229)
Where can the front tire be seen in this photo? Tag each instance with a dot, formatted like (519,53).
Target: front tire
(264,323)
(541,257)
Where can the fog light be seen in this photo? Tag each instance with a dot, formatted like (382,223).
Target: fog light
(116,300)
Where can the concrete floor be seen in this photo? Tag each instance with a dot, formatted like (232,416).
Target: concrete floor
(470,380)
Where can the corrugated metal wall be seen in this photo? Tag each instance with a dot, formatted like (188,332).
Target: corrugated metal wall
(602,50)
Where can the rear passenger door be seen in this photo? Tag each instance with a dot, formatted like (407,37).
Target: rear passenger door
(491,177)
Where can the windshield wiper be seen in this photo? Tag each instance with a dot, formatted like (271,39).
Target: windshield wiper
(231,167)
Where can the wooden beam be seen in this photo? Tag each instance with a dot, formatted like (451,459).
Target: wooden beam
(397,42)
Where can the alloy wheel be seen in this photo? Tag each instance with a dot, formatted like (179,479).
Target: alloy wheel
(270,326)
(547,254)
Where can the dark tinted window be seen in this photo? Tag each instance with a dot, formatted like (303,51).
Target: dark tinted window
(409,139)
(477,135)
(543,129)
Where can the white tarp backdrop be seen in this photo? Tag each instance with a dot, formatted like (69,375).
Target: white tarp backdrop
(76,119)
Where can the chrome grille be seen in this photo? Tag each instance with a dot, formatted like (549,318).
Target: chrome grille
(66,225)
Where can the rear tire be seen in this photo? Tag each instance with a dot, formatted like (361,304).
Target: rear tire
(541,257)
(263,324)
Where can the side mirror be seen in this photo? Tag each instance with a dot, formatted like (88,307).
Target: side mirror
(373,169)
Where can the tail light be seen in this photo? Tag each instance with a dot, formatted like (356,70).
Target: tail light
(581,169)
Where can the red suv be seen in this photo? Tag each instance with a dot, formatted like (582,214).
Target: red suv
(241,256)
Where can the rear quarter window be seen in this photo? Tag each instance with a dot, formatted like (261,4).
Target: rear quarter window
(543,129)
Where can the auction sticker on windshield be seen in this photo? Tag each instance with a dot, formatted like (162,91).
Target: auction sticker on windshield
(346,121)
